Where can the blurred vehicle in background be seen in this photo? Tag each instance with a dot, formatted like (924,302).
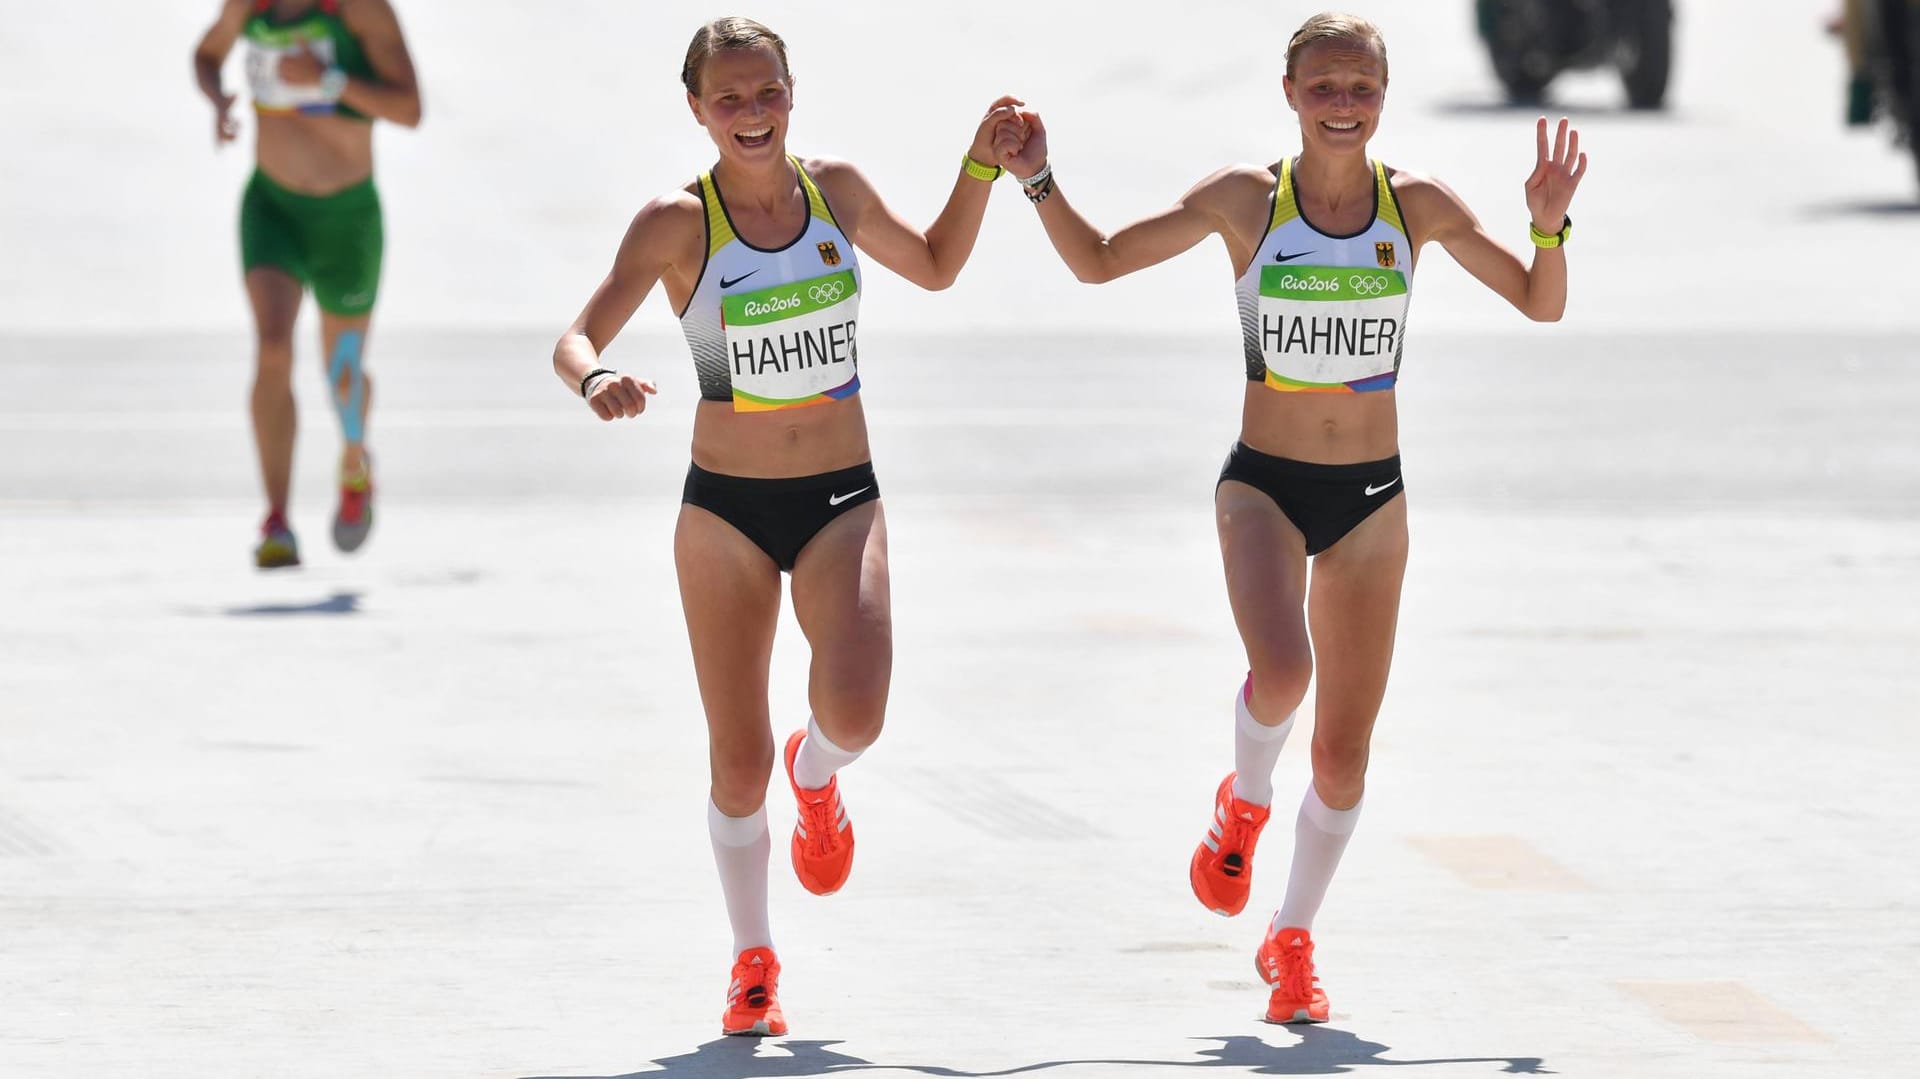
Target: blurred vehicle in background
(1883,45)
(1532,41)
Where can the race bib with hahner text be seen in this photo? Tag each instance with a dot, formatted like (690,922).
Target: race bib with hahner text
(1331,329)
(792,346)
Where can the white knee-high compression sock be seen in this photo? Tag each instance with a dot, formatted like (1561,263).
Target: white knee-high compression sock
(1256,749)
(740,849)
(819,758)
(1319,837)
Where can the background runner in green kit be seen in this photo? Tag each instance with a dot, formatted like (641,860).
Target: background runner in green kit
(319,72)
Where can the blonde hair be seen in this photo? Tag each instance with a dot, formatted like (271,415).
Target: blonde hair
(732,32)
(1336,26)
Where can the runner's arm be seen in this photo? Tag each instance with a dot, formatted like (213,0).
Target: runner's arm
(1095,257)
(394,95)
(932,259)
(211,53)
(1539,292)
(659,231)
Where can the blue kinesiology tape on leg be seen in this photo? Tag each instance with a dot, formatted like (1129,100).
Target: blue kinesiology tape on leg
(343,372)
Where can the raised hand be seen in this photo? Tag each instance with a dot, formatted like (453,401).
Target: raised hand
(1008,137)
(619,395)
(1004,108)
(1030,154)
(1555,175)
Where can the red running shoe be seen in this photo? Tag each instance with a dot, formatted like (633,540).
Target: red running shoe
(1285,961)
(823,836)
(753,997)
(1222,867)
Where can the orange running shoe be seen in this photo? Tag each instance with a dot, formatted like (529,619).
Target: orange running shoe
(1285,961)
(823,836)
(753,997)
(1222,867)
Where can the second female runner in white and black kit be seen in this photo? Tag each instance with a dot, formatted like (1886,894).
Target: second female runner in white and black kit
(1323,246)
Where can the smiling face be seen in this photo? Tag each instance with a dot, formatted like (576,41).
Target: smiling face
(743,102)
(1338,87)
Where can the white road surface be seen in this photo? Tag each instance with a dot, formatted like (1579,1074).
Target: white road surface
(1641,798)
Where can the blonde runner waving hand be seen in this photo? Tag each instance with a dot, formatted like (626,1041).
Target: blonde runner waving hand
(1323,246)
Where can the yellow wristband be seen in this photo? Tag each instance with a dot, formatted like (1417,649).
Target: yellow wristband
(975,169)
(1551,239)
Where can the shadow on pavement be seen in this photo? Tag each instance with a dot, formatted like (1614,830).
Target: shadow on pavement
(1866,208)
(1320,1051)
(736,1058)
(338,603)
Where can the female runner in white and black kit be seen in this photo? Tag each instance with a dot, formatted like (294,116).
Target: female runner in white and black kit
(760,257)
(1323,247)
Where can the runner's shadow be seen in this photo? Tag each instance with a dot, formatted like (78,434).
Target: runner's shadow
(1324,1050)
(739,1058)
(338,603)
(1320,1051)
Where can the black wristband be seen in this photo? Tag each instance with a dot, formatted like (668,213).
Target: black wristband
(593,374)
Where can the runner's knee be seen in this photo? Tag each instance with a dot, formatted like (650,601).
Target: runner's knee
(740,775)
(852,707)
(274,369)
(1339,766)
(274,339)
(1280,680)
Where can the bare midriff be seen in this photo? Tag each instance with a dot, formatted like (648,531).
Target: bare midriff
(783,444)
(314,155)
(1321,428)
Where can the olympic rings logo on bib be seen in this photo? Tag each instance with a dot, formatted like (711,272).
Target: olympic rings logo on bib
(829,292)
(1369,284)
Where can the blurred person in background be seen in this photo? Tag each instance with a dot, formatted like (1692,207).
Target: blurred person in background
(319,72)
(1323,246)
(760,259)
(1849,24)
